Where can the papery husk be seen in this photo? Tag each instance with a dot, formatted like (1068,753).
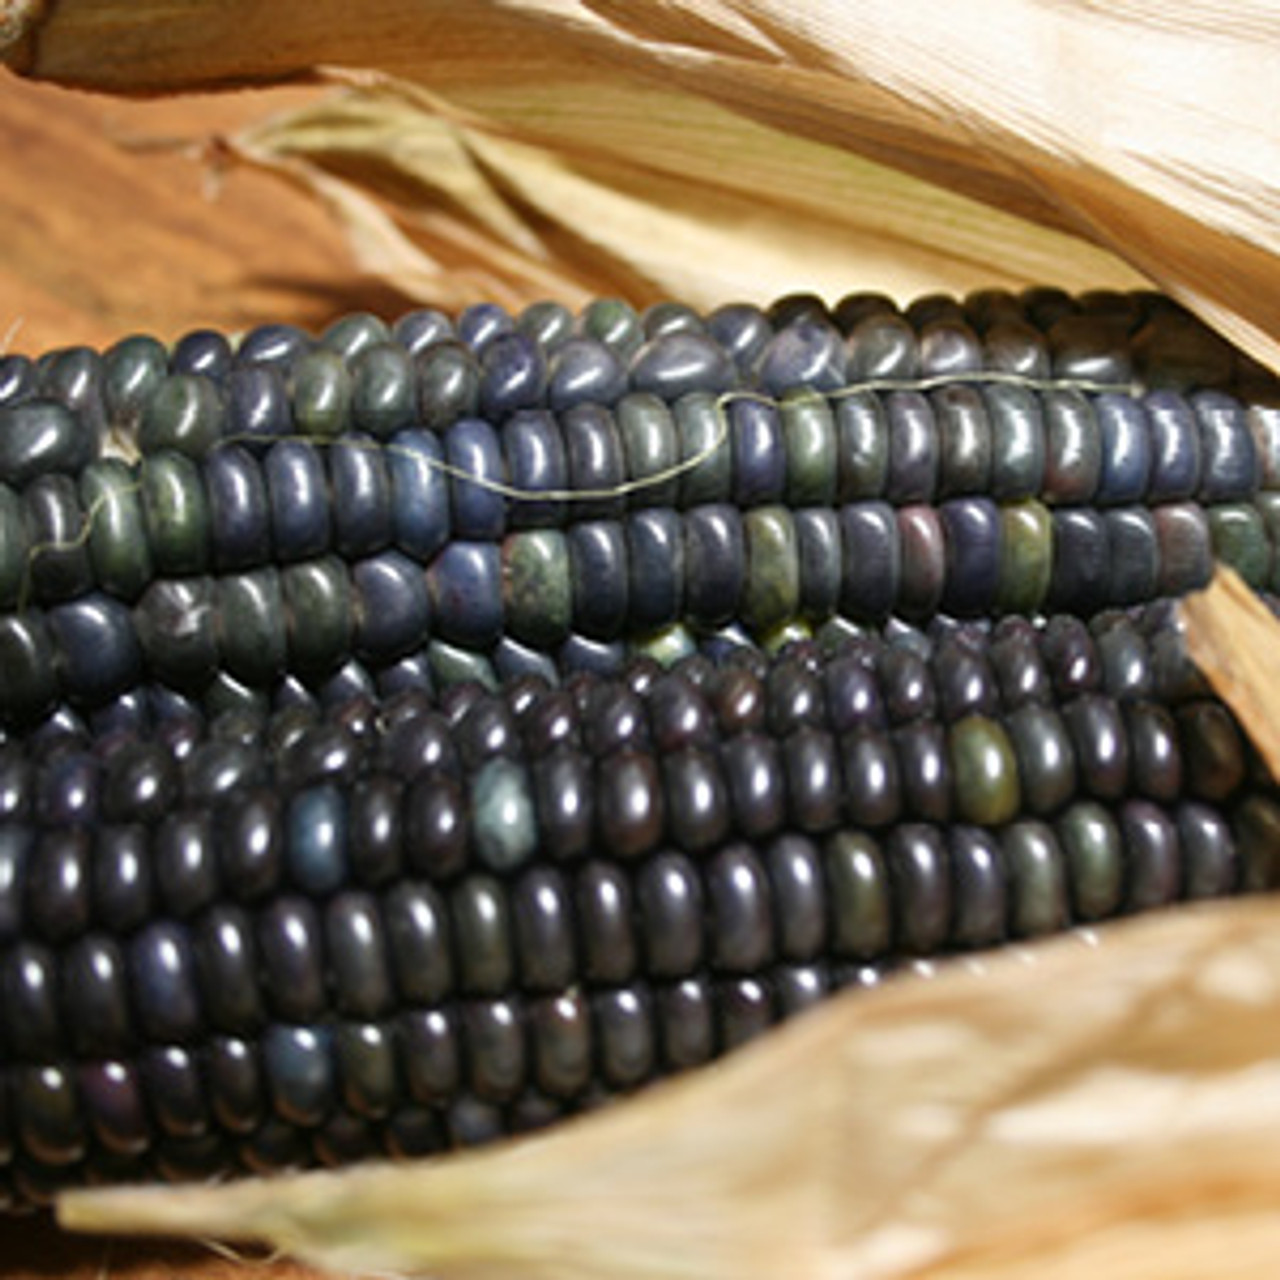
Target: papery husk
(1149,130)
(669,220)
(1066,1112)
(1235,640)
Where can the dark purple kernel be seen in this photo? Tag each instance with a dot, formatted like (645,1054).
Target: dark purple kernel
(978,887)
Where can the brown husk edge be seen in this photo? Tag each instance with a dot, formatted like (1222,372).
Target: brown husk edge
(1039,108)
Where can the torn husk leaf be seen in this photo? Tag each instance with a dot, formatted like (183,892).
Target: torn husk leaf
(669,222)
(1147,130)
(1235,641)
(1071,1110)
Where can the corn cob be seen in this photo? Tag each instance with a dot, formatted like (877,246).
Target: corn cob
(397,927)
(339,816)
(298,504)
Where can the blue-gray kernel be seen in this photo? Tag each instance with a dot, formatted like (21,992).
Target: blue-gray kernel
(483,323)
(513,376)
(1232,470)
(299,495)
(971,528)
(676,364)
(759,456)
(912,474)
(807,353)
(1134,550)
(257,405)
(1126,450)
(597,465)
(316,839)
(871,555)
(655,556)
(39,436)
(533,447)
(393,607)
(300,1076)
(473,451)
(421,508)
(598,570)
(504,825)
(278,345)
(464,585)
(585,371)
(239,509)
(948,347)
(97,647)
(882,345)
(742,330)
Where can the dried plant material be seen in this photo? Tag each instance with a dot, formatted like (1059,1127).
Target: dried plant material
(1235,640)
(1147,130)
(1066,1112)
(100,243)
(672,220)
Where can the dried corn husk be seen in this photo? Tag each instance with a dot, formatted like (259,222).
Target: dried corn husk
(1071,1112)
(639,145)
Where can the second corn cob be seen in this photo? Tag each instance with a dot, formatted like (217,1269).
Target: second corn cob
(400,927)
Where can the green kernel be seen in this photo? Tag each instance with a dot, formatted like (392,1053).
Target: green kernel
(789,632)
(383,390)
(1256,827)
(251,632)
(1037,879)
(864,446)
(702,428)
(320,613)
(771,595)
(650,445)
(667,646)
(985,770)
(1239,539)
(15,548)
(184,414)
(537,586)
(353,333)
(176,513)
(131,372)
(321,395)
(1026,556)
(1094,850)
(451,664)
(615,323)
(809,433)
(862,914)
(118,546)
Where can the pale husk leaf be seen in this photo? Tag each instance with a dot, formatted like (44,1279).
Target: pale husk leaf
(671,221)
(1070,1111)
(1150,130)
(1235,640)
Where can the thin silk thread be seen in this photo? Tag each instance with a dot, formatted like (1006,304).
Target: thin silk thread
(624,488)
